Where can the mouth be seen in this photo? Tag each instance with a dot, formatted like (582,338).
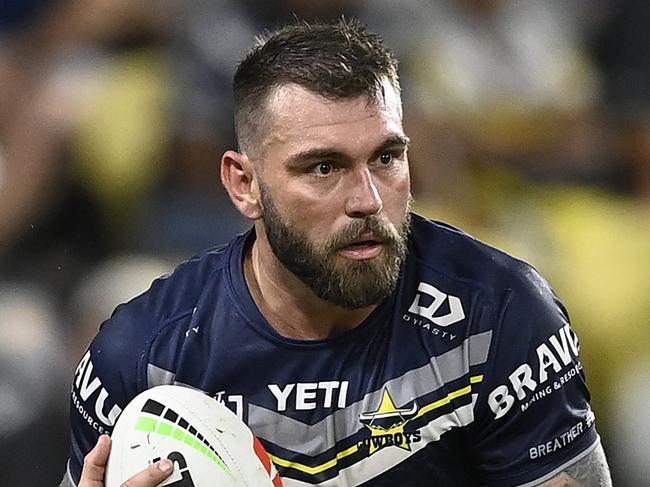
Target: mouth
(365,247)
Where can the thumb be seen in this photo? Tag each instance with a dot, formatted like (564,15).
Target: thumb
(94,467)
(152,475)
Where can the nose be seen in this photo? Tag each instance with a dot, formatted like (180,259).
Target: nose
(363,199)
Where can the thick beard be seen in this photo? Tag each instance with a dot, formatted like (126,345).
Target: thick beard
(351,284)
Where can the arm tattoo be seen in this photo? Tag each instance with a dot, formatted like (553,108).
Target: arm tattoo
(590,471)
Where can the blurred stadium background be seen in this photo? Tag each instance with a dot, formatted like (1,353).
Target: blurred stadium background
(530,122)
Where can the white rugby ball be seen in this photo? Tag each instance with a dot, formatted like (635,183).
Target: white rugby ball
(209,445)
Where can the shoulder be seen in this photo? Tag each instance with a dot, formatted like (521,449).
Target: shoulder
(503,294)
(178,292)
(168,299)
(441,250)
(120,351)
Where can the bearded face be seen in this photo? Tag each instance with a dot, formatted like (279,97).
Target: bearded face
(349,283)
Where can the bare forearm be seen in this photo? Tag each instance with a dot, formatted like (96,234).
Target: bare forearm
(591,471)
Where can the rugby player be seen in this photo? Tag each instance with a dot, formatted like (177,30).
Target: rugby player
(363,344)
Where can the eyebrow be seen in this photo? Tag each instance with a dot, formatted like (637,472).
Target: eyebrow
(319,154)
(401,141)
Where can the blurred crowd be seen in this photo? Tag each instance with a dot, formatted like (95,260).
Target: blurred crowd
(530,123)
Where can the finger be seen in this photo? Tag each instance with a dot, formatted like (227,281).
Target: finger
(95,463)
(152,476)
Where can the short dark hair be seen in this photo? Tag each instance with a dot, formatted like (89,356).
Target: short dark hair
(337,60)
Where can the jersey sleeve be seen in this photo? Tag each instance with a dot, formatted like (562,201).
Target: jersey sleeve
(533,418)
(108,376)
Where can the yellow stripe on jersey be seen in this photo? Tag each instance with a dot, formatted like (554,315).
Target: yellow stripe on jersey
(449,397)
(318,468)
(354,448)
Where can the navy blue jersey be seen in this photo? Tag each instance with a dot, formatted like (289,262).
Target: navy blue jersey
(467,375)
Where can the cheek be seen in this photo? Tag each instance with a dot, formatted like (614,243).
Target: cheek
(305,212)
(396,191)
(318,219)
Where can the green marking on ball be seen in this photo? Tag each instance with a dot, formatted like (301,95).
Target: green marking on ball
(164,428)
(146,424)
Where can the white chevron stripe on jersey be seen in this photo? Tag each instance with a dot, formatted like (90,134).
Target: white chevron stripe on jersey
(387,458)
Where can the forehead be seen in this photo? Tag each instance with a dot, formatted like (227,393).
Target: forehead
(300,119)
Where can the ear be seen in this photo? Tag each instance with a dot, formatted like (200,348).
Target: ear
(239,179)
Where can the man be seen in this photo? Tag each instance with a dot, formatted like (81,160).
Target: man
(363,345)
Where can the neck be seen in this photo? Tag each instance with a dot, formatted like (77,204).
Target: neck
(290,307)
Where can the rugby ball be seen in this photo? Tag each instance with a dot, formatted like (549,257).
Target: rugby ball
(209,445)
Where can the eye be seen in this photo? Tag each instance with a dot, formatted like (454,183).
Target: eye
(324,168)
(386,158)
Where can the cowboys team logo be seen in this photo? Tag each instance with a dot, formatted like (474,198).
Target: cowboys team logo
(386,425)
